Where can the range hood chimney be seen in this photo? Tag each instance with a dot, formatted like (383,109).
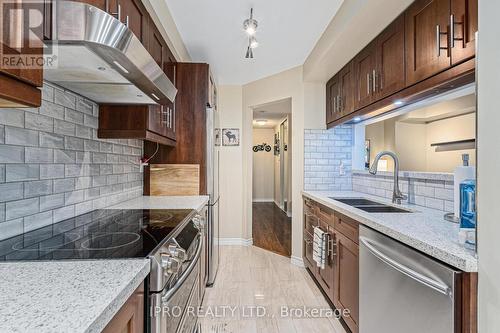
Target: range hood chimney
(98,57)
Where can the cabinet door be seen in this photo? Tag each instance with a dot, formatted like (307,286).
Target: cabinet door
(135,16)
(464,17)
(169,68)
(347,91)
(364,70)
(157,119)
(346,279)
(390,53)
(332,98)
(310,221)
(327,274)
(130,318)
(156,45)
(427,48)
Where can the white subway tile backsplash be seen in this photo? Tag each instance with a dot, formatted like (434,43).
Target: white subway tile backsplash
(11,154)
(37,221)
(51,140)
(21,172)
(51,171)
(65,98)
(324,151)
(11,191)
(47,171)
(20,136)
(64,128)
(52,110)
(20,208)
(39,122)
(38,155)
(53,201)
(12,117)
(429,193)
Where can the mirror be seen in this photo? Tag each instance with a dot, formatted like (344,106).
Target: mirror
(431,138)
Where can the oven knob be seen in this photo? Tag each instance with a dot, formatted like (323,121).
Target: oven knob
(169,264)
(177,252)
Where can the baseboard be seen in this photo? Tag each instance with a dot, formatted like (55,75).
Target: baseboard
(297,261)
(263,200)
(236,241)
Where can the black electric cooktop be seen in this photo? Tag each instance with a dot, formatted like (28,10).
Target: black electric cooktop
(100,234)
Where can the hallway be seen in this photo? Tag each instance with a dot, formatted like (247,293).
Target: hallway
(271,228)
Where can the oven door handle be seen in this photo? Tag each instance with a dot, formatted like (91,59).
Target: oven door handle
(186,274)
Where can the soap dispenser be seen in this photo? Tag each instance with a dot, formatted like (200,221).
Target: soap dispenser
(468,213)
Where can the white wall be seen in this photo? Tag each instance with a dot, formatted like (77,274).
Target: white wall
(263,166)
(488,166)
(231,167)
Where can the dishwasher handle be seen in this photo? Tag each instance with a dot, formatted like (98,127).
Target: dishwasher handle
(429,282)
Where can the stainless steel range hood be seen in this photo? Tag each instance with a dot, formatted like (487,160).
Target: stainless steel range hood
(98,57)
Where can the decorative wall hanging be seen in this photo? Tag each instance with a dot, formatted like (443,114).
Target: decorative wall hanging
(262,147)
(230,136)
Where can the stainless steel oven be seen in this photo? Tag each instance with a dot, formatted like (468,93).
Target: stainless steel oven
(174,308)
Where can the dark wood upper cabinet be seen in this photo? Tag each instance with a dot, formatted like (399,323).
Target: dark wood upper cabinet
(427,39)
(364,71)
(390,59)
(464,17)
(332,99)
(346,279)
(156,45)
(19,80)
(134,15)
(347,91)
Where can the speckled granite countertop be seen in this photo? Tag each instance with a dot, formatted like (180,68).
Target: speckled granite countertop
(66,296)
(424,229)
(196,202)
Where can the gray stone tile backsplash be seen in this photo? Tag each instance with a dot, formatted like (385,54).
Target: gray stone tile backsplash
(326,153)
(53,166)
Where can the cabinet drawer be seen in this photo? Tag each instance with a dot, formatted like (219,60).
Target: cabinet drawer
(325,214)
(347,226)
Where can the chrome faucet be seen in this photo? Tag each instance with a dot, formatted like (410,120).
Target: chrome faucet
(397,196)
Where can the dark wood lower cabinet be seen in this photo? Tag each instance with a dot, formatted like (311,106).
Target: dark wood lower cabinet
(130,318)
(346,280)
(339,280)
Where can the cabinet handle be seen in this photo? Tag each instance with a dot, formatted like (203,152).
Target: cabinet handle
(126,21)
(438,40)
(118,13)
(452,31)
(374,81)
(368,83)
(335,104)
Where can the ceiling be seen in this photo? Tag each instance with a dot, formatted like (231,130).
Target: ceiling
(288,30)
(273,112)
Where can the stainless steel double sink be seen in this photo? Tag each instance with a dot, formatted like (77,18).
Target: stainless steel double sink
(370,206)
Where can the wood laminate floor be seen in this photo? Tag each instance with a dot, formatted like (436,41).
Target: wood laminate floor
(271,228)
(258,289)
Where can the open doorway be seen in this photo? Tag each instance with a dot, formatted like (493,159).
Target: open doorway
(271,181)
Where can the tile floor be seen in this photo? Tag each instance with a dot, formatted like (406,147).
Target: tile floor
(255,287)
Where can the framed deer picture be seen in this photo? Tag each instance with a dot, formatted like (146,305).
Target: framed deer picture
(230,136)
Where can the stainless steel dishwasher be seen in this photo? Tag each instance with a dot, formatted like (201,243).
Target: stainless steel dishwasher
(402,290)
